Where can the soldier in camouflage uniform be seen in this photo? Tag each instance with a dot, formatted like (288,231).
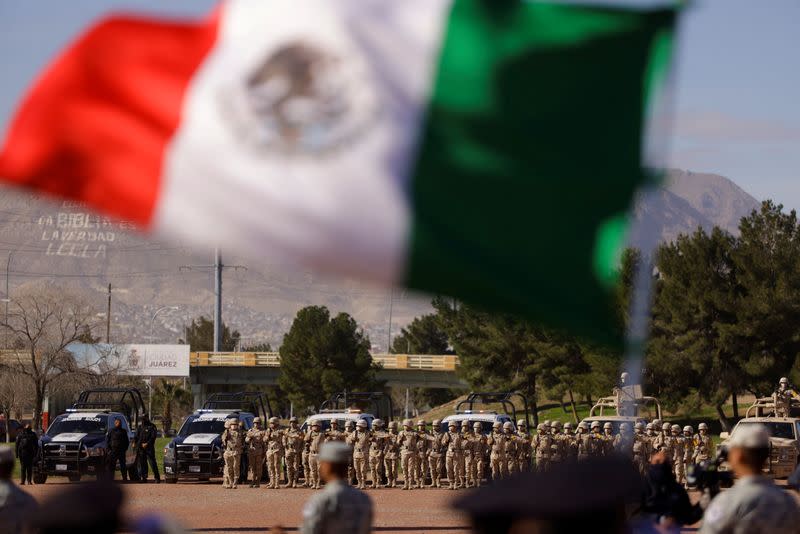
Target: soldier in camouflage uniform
(407,439)
(313,440)
(466,467)
(662,439)
(623,442)
(543,445)
(703,445)
(582,438)
(688,449)
(292,451)
(496,442)
(641,449)
(273,437)
(377,448)
(511,447)
(570,443)
(255,452)
(349,429)
(608,439)
(451,441)
(596,446)
(304,459)
(783,398)
(479,451)
(435,454)
(678,449)
(557,445)
(333,433)
(523,447)
(423,450)
(232,444)
(391,456)
(360,441)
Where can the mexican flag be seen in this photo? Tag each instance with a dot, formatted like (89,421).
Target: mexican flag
(483,149)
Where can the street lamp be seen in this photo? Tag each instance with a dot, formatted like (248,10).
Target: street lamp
(153,319)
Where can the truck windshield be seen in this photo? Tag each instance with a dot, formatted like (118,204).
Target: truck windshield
(78,424)
(202,426)
(776,430)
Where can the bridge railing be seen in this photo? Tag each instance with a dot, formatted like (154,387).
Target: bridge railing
(421,362)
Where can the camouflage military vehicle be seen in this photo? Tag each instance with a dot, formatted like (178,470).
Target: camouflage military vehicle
(784,436)
(627,405)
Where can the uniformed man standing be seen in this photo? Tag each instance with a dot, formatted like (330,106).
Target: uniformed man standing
(688,449)
(339,508)
(465,467)
(511,448)
(557,445)
(333,433)
(117,442)
(360,441)
(27,446)
(608,439)
(570,443)
(273,437)
(232,441)
(523,439)
(145,441)
(497,451)
(754,504)
(314,440)
(254,441)
(17,508)
(663,439)
(377,449)
(582,441)
(423,449)
(783,398)
(451,441)
(623,442)
(391,455)
(543,445)
(435,454)
(349,430)
(703,445)
(641,449)
(596,444)
(407,440)
(677,447)
(478,453)
(292,452)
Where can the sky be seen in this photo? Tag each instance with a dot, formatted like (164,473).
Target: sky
(737,79)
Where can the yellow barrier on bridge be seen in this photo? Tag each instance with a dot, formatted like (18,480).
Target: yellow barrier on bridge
(419,362)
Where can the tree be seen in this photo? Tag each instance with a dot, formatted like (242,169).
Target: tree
(14,394)
(423,336)
(322,355)
(258,347)
(168,395)
(200,336)
(42,322)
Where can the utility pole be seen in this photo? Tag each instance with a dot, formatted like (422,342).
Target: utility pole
(218,267)
(391,302)
(7,300)
(108,317)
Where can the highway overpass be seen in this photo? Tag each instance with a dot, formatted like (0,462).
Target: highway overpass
(262,368)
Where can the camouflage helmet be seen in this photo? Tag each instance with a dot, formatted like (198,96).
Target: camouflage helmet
(315,422)
(452,424)
(436,423)
(555,424)
(608,426)
(675,428)
(650,426)
(547,422)
(657,423)
(293,419)
(227,423)
(583,426)
(639,426)
(256,420)
(349,423)
(541,427)
(334,422)
(464,423)
(508,425)
(362,423)
(623,427)
(624,377)
(407,423)
(274,420)
(477,425)
(521,422)
(783,380)
(392,424)
(702,426)
(496,424)
(665,427)
(595,424)
(422,422)
(567,426)
(377,423)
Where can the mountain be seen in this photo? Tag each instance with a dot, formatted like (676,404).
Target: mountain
(64,244)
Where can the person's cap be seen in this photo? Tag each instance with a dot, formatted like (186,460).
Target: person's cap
(750,436)
(477,425)
(362,423)
(508,424)
(464,424)
(688,428)
(608,425)
(496,424)
(315,422)
(665,426)
(595,424)
(702,426)
(273,420)
(421,422)
(784,380)
(407,422)
(377,422)
(257,421)
(559,496)
(90,507)
(293,419)
(567,426)
(335,452)
(555,424)
(6,455)
(521,422)
(676,428)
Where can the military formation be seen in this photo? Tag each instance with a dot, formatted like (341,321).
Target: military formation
(412,456)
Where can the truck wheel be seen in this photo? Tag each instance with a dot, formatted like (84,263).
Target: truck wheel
(171,480)
(204,479)
(39,478)
(74,478)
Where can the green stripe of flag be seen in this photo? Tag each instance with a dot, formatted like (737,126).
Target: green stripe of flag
(530,155)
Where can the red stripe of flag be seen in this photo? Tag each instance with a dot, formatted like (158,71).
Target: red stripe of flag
(95,125)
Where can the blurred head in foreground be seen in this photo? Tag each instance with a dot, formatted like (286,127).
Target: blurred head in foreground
(558,500)
(93,507)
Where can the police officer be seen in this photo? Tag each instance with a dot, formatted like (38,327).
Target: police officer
(273,437)
(423,450)
(339,507)
(118,441)
(145,441)
(360,441)
(435,454)
(451,442)
(232,442)
(314,440)
(754,504)
(407,440)
(703,445)
(391,456)
(17,508)
(27,445)
(292,452)
(377,449)
(254,441)
(497,451)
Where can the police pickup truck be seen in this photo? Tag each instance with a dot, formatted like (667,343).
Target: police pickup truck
(465,410)
(196,451)
(75,443)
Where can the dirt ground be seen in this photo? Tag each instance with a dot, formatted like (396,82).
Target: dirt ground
(207,507)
